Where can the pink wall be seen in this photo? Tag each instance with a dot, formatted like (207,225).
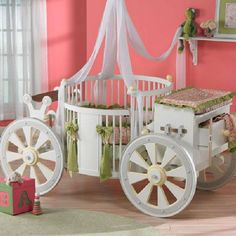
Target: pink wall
(66,38)
(156,21)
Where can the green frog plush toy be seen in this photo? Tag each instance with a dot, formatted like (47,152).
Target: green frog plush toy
(189,28)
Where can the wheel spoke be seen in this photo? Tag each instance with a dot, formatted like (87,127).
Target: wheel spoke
(216,170)
(144,195)
(168,156)
(177,172)
(48,173)
(16,141)
(42,139)
(27,133)
(33,175)
(162,199)
(150,147)
(21,169)
(159,152)
(175,190)
(49,156)
(137,159)
(154,152)
(219,160)
(13,156)
(135,177)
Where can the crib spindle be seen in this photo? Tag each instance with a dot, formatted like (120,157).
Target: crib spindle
(154,97)
(68,94)
(107,123)
(77,95)
(113,145)
(132,118)
(125,95)
(80,87)
(120,142)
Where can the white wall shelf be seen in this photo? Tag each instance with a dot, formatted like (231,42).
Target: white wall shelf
(193,43)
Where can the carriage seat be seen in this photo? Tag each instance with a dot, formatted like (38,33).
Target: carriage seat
(200,100)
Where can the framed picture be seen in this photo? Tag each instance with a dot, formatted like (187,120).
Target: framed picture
(226,18)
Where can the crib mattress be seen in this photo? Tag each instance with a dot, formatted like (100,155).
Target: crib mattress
(200,100)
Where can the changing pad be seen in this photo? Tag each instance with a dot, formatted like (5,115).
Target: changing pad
(200,100)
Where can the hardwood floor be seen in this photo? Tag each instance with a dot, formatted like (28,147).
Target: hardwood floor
(210,213)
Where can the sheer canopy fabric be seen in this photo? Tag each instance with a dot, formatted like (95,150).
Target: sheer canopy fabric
(118,31)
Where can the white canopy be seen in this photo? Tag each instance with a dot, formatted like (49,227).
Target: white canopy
(118,30)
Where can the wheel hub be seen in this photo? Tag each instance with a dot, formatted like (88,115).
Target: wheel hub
(156,175)
(30,156)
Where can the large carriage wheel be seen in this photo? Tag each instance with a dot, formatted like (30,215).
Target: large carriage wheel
(158,175)
(221,171)
(31,148)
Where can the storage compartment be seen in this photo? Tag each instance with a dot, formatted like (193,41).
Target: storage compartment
(218,138)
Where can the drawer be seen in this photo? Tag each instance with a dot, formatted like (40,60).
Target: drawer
(218,139)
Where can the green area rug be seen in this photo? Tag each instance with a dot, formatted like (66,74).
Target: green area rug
(73,222)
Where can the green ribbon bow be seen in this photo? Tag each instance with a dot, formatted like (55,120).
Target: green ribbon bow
(105,165)
(72,129)
(72,132)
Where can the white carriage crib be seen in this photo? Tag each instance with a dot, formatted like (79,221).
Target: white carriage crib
(109,105)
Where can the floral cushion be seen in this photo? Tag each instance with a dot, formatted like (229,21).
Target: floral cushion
(200,100)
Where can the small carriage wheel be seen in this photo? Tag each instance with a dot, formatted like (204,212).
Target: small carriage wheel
(221,171)
(157,175)
(30,147)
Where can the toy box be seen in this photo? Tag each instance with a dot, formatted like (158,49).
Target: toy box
(17,198)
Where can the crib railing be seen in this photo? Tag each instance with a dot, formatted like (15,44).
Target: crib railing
(98,91)
(113,91)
